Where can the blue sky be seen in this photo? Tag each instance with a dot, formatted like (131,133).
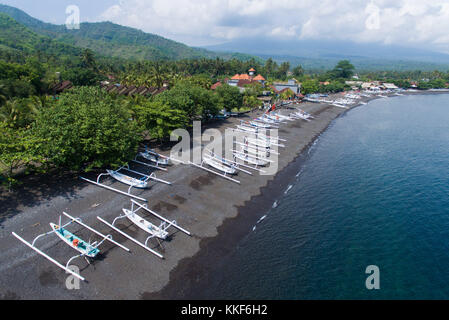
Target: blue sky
(413,23)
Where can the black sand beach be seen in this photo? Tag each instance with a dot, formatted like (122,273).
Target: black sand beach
(217,212)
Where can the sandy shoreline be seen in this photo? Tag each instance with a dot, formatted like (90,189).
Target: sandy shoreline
(218,219)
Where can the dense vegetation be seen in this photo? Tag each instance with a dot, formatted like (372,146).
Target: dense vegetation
(109,39)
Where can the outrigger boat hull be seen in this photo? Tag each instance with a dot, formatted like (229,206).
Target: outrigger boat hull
(250,160)
(215,164)
(136,183)
(155,159)
(75,242)
(145,225)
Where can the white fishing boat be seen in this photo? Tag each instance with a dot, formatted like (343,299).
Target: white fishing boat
(300,115)
(266,119)
(155,157)
(262,153)
(231,163)
(272,117)
(250,159)
(145,225)
(257,142)
(260,135)
(247,129)
(282,117)
(219,165)
(275,141)
(258,124)
(155,232)
(340,106)
(133,182)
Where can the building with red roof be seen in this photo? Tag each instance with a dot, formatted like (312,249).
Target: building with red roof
(215,86)
(240,80)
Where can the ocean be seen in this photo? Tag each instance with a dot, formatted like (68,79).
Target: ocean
(373,190)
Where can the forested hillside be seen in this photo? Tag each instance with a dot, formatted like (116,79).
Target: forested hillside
(109,39)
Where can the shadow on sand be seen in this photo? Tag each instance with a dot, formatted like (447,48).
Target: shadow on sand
(36,189)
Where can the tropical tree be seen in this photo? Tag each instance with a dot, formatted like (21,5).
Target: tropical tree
(18,149)
(298,71)
(310,86)
(88,59)
(18,113)
(229,97)
(344,69)
(159,119)
(287,94)
(2,94)
(87,128)
(196,102)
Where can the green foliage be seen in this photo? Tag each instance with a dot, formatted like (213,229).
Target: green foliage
(109,39)
(344,69)
(159,119)
(332,87)
(310,86)
(298,71)
(19,113)
(196,102)
(18,149)
(285,95)
(87,128)
(200,80)
(252,91)
(82,76)
(229,97)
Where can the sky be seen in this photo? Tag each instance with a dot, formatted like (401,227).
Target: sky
(413,23)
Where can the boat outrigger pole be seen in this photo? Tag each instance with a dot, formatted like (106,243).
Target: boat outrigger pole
(170,223)
(128,194)
(85,249)
(48,257)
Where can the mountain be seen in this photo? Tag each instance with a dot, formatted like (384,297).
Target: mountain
(109,39)
(17,41)
(324,53)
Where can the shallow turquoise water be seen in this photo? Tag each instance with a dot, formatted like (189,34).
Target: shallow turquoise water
(374,191)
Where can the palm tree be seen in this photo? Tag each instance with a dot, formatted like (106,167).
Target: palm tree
(88,59)
(19,112)
(2,94)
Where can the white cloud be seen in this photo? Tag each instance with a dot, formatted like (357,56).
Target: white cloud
(405,22)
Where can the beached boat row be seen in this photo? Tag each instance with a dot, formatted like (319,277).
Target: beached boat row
(254,151)
(253,154)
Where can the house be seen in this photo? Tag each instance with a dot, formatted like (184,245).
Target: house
(354,83)
(390,86)
(61,87)
(215,85)
(291,84)
(372,86)
(240,80)
(124,90)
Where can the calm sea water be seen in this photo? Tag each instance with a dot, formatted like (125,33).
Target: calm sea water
(374,191)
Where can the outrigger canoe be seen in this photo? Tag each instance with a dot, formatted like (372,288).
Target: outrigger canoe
(87,249)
